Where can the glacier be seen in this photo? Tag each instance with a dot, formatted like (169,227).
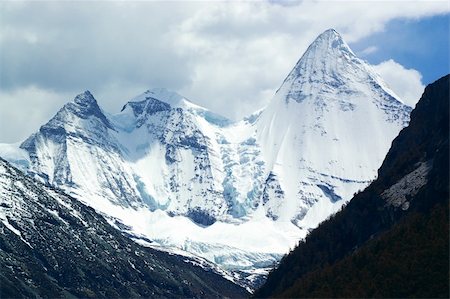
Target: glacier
(171,174)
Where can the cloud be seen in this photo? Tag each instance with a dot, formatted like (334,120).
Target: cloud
(227,56)
(24,110)
(368,50)
(246,50)
(406,83)
(68,46)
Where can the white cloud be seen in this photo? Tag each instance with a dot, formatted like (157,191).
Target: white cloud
(23,111)
(227,56)
(245,50)
(368,50)
(406,83)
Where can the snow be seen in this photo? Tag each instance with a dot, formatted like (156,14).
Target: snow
(255,244)
(172,98)
(255,187)
(278,236)
(7,201)
(330,124)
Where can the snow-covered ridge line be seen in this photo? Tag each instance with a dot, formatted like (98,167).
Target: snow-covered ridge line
(237,194)
(53,239)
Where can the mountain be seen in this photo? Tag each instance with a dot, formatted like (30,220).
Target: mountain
(51,245)
(326,131)
(172,174)
(392,239)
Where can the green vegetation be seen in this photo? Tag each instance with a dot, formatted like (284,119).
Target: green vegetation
(371,248)
(410,260)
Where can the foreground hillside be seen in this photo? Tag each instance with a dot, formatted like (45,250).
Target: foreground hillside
(392,239)
(53,246)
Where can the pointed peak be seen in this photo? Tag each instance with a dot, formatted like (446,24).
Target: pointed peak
(167,96)
(327,66)
(330,41)
(319,63)
(152,101)
(330,33)
(162,97)
(84,106)
(85,99)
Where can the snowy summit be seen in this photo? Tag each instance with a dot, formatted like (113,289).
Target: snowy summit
(174,175)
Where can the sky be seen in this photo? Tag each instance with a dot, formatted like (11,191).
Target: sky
(229,57)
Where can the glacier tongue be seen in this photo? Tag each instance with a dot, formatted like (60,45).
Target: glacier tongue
(173,174)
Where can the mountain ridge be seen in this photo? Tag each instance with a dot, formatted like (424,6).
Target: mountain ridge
(179,164)
(361,250)
(53,245)
(321,105)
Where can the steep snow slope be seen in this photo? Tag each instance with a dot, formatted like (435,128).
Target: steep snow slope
(326,132)
(390,241)
(183,159)
(77,150)
(240,194)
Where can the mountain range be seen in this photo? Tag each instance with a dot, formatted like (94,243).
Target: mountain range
(392,239)
(175,176)
(51,245)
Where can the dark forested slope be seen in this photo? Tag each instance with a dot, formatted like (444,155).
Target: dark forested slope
(392,239)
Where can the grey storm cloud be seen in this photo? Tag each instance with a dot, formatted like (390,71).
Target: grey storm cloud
(227,56)
(73,46)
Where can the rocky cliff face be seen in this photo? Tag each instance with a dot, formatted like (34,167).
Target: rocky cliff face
(51,245)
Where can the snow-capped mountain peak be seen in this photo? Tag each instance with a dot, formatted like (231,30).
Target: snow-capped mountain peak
(148,105)
(330,40)
(157,100)
(329,66)
(171,98)
(326,48)
(312,136)
(84,106)
(218,184)
(85,99)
